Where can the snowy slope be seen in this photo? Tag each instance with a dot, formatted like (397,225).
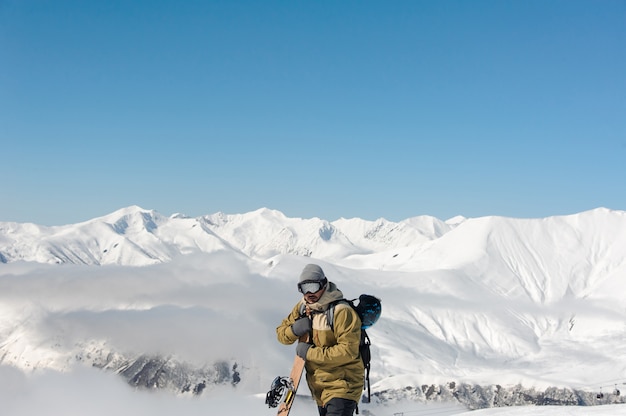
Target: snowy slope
(489,300)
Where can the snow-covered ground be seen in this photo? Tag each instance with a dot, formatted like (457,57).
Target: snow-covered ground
(91,392)
(88,391)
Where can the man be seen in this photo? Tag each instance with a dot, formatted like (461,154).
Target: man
(334,369)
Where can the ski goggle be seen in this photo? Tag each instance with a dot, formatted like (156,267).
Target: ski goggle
(311,287)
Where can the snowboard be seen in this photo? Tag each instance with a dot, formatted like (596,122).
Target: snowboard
(295,376)
(283,390)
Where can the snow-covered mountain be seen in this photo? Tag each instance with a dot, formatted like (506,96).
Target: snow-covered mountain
(137,237)
(469,305)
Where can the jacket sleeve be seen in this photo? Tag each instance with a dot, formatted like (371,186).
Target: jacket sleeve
(283,332)
(348,334)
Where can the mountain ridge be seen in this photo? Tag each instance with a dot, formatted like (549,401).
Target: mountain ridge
(147,237)
(137,237)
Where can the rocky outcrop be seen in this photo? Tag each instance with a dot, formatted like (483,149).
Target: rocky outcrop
(475,396)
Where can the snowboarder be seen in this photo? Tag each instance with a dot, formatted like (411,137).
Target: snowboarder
(334,369)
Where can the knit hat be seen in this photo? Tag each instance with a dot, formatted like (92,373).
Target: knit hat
(312,273)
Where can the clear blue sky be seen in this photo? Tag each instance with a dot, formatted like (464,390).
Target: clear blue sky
(315,108)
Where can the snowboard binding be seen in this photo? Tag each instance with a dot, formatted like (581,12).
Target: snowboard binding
(282,390)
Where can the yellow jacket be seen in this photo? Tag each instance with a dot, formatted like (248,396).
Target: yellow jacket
(333,365)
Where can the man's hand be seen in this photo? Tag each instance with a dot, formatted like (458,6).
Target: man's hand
(301,327)
(302,349)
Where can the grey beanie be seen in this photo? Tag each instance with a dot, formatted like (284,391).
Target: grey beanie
(312,273)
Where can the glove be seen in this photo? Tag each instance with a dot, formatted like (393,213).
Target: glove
(301,327)
(302,349)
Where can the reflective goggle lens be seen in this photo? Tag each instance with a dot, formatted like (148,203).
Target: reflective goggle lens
(310,287)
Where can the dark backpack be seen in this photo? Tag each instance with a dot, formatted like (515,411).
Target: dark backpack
(369,310)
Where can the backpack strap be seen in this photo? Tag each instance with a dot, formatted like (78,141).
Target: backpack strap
(365,350)
(330,312)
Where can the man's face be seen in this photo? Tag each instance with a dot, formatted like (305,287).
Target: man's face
(314,297)
(312,291)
